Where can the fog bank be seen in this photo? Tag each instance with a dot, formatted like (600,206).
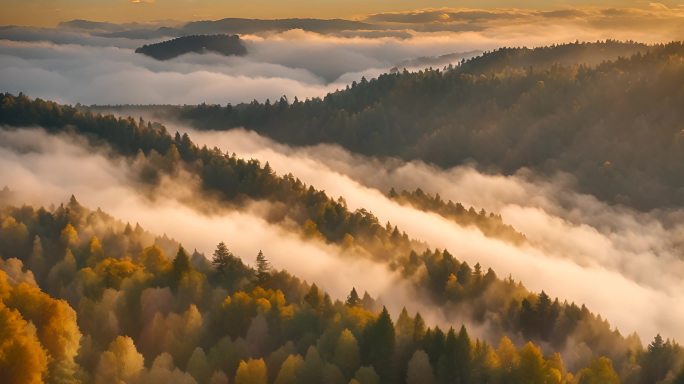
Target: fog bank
(40,169)
(73,64)
(617,261)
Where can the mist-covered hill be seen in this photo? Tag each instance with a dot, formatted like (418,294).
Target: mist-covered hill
(158,162)
(88,299)
(227,45)
(606,113)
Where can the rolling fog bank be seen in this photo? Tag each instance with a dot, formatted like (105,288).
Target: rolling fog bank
(615,260)
(38,168)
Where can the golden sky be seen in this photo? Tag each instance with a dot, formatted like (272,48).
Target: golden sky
(51,12)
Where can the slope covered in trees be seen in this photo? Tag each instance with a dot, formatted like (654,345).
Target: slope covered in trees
(615,125)
(505,307)
(226,45)
(490,224)
(85,298)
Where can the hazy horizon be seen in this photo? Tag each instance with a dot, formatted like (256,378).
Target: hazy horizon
(49,13)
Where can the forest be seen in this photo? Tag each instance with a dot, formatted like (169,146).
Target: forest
(128,305)
(226,45)
(490,224)
(572,109)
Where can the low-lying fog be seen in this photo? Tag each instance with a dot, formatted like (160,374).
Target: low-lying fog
(79,65)
(625,265)
(40,169)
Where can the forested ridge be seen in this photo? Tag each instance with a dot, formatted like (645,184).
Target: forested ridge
(609,113)
(503,305)
(227,45)
(489,223)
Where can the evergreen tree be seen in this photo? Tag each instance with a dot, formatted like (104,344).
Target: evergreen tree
(181,264)
(313,297)
(378,346)
(658,359)
(353,299)
(462,357)
(263,268)
(418,328)
(222,257)
(447,369)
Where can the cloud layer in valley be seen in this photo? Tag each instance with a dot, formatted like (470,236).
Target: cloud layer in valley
(95,63)
(617,261)
(40,168)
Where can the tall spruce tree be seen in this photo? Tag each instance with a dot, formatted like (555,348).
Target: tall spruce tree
(263,267)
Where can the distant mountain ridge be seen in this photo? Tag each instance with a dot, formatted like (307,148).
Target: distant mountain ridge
(242,26)
(227,45)
(239,26)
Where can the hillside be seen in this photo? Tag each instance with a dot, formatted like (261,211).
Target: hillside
(89,303)
(614,124)
(226,45)
(489,223)
(468,293)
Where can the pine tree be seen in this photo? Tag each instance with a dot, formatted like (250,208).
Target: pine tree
(378,346)
(353,300)
(263,267)
(222,257)
(181,264)
(462,356)
(418,328)
(447,370)
(313,297)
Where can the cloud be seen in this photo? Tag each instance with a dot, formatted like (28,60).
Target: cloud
(104,75)
(41,169)
(63,36)
(617,261)
(444,16)
(78,62)
(563,13)
(659,6)
(295,63)
(583,20)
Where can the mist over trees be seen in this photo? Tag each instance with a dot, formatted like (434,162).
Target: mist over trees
(607,113)
(110,302)
(174,315)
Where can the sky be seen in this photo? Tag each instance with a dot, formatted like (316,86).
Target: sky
(51,12)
